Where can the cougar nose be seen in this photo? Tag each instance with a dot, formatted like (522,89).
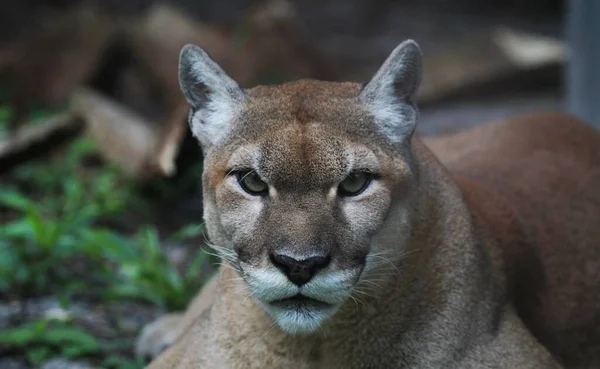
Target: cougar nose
(299,272)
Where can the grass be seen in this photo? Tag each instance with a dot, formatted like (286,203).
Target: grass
(52,243)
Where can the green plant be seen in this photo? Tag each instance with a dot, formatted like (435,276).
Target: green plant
(47,338)
(58,228)
(44,338)
(51,243)
(63,184)
(47,226)
(144,269)
(119,362)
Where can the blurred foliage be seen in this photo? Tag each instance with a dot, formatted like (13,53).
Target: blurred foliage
(52,243)
(46,338)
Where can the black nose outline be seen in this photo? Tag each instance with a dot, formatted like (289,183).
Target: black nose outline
(299,272)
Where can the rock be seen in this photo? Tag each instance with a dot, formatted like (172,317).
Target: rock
(59,363)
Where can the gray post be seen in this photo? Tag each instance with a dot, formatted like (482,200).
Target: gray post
(583,70)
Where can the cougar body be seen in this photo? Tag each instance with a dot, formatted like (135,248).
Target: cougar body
(349,242)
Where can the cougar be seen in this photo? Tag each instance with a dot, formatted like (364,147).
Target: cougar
(349,242)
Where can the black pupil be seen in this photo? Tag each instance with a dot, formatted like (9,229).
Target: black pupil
(251,183)
(354,184)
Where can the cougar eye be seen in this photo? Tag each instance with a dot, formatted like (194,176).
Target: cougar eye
(250,182)
(354,184)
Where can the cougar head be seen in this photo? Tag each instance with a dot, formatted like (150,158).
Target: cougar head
(307,185)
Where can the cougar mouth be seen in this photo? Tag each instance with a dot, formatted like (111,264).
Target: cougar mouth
(299,309)
(300,301)
(299,313)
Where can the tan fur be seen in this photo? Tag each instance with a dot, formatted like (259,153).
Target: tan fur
(162,333)
(492,240)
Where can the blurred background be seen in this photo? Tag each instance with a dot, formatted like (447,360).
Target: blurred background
(100,201)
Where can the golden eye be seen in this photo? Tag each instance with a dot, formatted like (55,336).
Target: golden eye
(355,183)
(250,182)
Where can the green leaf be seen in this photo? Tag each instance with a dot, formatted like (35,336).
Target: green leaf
(72,340)
(64,300)
(79,148)
(114,246)
(36,222)
(79,219)
(14,199)
(149,239)
(138,292)
(75,351)
(117,362)
(6,112)
(174,279)
(195,267)
(37,355)
(20,228)
(23,335)
(9,263)
(131,271)
(22,275)
(18,337)
(189,231)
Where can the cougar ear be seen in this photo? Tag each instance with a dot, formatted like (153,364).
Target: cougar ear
(390,94)
(214,97)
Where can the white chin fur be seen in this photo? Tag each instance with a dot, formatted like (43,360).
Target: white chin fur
(300,320)
(330,289)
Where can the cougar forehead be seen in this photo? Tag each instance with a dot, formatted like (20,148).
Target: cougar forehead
(330,107)
(303,135)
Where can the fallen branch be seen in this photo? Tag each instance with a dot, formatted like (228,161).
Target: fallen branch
(34,140)
(122,136)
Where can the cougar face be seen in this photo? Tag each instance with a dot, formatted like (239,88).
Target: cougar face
(301,179)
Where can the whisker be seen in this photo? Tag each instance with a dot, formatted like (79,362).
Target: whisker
(269,329)
(322,330)
(357,301)
(372,282)
(246,298)
(247,174)
(228,265)
(364,293)
(387,261)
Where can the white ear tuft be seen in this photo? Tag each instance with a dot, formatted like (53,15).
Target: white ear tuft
(390,94)
(214,97)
